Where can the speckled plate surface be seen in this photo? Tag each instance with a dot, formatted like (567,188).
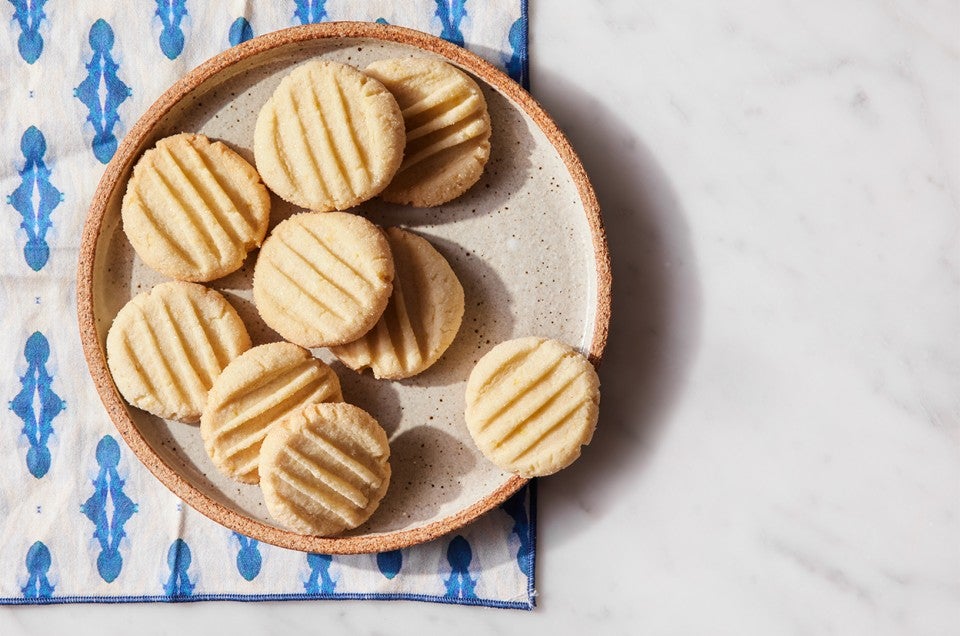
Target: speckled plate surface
(526,242)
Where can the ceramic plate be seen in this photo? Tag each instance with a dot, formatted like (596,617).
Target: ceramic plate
(526,242)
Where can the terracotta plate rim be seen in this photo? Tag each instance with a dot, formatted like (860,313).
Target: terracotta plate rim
(124,157)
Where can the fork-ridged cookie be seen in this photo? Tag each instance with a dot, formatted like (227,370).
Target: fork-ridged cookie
(531,404)
(167,346)
(329,137)
(194,208)
(324,469)
(421,319)
(447,129)
(257,389)
(323,278)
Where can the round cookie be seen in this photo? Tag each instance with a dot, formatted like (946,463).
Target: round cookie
(194,208)
(531,404)
(421,319)
(447,130)
(323,279)
(255,390)
(324,469)
(329,137)
(167,346)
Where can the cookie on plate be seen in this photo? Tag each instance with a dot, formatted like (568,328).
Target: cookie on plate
(421,319)
(255,390)
(329,137)
(447,129)
(323,278)
(167,346)
(531,404)
(324,469)
(194,208)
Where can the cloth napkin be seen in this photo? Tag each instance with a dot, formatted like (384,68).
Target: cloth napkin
(81,520)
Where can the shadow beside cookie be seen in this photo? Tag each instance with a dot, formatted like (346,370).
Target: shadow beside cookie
(421,459)
(655,327)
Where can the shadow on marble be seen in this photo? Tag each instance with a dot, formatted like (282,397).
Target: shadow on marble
(655,325)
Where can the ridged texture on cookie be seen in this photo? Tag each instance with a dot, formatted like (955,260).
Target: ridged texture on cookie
(421,319)
(257,389)
(324,469)
(447,130)
(193,209)
(323,279)
(167,346)
(531,404)
(329,137)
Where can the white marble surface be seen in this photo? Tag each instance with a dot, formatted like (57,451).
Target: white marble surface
(780,425)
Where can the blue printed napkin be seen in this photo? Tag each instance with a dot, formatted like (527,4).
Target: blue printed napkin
(81,519)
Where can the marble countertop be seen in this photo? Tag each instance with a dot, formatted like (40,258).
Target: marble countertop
(780,423)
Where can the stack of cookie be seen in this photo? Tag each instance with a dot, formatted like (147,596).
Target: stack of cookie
(413,131)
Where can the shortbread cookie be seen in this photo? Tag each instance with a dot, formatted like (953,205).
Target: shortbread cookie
(531,404)
(325,468)
(447,130)
(257,389)
(421,319)
(323,279)
(193,209)
(167,346)
(329,137)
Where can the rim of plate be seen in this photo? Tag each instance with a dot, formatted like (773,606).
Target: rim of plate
(126,154)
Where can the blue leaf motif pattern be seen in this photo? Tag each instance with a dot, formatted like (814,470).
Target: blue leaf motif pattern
(390,563)
(516,507)
(178,558)
(320,581)
(248,558)
(35,198)
(451,14)
(171,14)
(310,11)
(516,63)
(109,508)
(240,31)
(38,563)
(382,21)
(102,91)
(459,555)
(37,404)
(29,14)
